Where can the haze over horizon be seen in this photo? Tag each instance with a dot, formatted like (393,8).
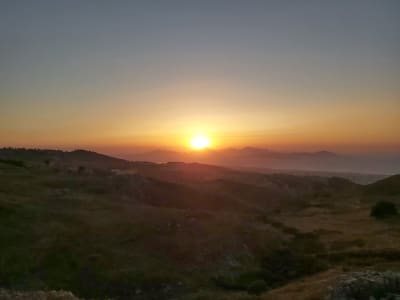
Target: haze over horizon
(126,75)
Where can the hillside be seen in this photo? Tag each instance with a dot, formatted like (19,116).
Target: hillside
(70,158)
(389,186)
(104,227)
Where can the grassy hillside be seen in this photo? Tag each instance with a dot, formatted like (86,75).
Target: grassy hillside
(103,227)
(389,186)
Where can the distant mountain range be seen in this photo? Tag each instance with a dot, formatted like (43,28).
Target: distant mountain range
(264,159)
(362,169)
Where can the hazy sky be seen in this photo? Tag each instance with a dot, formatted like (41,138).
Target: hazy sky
(280,74)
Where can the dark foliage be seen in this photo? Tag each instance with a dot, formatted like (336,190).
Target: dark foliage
(257,287)
(13,162)
(277,269)
(383,209)
(285,265)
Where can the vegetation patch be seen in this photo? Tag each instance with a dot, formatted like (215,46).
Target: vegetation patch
(361,257)
(384,209)
(13,162)
(257,287)
(294,259)
(286,264)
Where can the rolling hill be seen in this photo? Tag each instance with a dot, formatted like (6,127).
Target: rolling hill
(104,227)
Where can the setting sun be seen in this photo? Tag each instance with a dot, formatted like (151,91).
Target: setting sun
(200,142)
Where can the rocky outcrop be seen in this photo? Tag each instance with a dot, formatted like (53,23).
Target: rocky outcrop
(36,295)
(367,286)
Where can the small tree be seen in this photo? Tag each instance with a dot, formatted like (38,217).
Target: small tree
(383,209)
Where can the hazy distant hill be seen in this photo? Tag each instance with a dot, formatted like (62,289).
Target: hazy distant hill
(246,159)
(264,159)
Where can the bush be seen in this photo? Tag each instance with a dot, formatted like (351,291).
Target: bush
(257,287)
(383,209)
(13,162)
(299,257)
(285,265)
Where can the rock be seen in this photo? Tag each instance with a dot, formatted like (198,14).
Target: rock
(364,285)
(36,295)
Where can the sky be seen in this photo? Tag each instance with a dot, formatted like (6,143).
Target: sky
(288,75)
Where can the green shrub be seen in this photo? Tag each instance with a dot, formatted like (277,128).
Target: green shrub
(383,209)
(257,287)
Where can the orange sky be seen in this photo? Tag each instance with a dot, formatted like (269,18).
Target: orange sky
(141,76)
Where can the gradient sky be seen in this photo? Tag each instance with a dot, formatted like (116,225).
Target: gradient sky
(294,75)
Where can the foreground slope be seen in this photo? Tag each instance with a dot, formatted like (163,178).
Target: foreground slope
(99,226)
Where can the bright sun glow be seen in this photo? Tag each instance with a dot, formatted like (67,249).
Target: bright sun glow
(200,142)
